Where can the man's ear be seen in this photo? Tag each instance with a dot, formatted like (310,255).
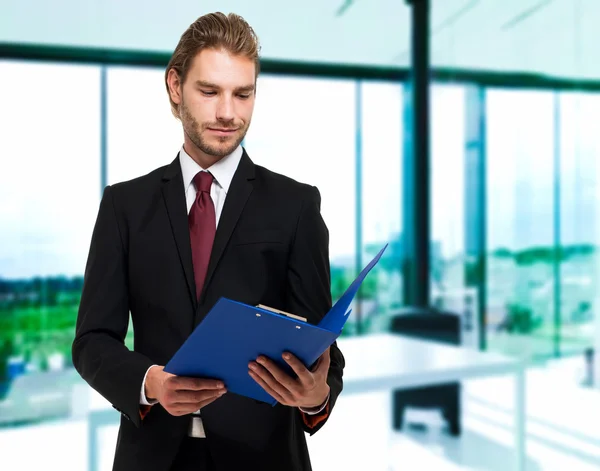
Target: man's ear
(175,86)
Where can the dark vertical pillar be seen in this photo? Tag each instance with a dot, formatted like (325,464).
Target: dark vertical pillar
(416,191)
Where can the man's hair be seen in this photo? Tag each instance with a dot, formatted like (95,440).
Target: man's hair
(213,31)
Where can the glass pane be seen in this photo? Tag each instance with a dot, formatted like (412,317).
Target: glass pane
(381,200)
(50,191)
(520,241)
(305,129)
(142,133)
(448,197)
(580,153)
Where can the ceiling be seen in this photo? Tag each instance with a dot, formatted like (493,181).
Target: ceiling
(553,37)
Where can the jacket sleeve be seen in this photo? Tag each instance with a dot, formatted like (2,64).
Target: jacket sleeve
(309,291)
(99,352)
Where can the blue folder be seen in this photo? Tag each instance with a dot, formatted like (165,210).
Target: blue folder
(232,334)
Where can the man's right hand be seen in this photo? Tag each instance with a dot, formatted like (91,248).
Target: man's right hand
(180,395)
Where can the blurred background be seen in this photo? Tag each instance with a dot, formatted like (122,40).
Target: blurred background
(464,133)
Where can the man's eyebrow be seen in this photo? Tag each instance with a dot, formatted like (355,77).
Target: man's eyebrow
(244,88)
(204,83)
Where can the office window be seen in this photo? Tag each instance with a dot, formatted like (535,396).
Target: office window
(520,222)
(381,201)
(579,206)
(447,189)
(142,134)
(304,128)
(50,191)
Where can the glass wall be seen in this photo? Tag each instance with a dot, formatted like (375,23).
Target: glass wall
(539,163)
(380,204)
(520,306)
(579,149)
(447,174)
(542,199)
(50,190)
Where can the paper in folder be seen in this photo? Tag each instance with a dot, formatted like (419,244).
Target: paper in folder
(232,334)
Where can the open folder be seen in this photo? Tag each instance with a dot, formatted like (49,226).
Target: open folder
(232,334)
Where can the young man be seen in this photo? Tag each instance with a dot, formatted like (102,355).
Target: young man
(168,245)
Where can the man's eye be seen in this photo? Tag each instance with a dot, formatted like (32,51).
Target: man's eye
(244,96)
(207,93)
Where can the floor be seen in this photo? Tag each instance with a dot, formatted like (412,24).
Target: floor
(563,432)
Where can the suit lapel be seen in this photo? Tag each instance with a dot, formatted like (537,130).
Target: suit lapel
(174,195)
(239,191)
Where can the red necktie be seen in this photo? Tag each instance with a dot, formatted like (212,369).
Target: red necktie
(203,225)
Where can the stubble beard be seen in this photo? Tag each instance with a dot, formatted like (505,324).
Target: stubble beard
(193,130)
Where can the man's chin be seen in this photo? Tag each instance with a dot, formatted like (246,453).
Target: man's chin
(220,150)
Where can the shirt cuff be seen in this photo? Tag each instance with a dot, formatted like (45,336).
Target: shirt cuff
(143,399)
(316,410)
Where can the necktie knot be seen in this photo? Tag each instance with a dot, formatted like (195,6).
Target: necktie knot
(203,181)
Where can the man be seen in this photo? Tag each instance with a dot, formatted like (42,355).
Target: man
(168,245)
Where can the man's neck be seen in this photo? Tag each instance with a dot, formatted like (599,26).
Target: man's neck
(201,158)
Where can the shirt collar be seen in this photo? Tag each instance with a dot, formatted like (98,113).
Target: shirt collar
(222,171)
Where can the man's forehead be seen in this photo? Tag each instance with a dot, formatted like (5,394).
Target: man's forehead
(221,59)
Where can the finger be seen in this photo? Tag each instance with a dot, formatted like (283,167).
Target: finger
(202,404)
(267,388)
(324,362)
(192,397)
(304,374)
(179,383)
(184,409)
(270,381)
(290,384)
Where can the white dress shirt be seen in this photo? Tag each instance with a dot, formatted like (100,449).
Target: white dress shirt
(223,172)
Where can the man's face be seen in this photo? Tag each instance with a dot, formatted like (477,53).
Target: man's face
(216,102)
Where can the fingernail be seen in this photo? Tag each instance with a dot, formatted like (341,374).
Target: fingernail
(286,356)
(261,360)
(252,366)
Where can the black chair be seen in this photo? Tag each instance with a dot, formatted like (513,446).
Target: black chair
(440,326)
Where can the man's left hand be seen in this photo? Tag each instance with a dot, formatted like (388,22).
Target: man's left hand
(307,391)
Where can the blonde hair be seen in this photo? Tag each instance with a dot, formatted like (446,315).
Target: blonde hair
(213,31)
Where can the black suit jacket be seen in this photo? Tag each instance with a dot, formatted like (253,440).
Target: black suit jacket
(271,247)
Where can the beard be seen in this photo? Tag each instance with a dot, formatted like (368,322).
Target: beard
(225,144)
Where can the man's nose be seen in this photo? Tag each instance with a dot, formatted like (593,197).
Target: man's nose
(225,109)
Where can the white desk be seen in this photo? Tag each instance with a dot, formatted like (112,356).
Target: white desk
(385,362)
(388,362)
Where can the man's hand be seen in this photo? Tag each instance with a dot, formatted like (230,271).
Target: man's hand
(180,395)
(308,391)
